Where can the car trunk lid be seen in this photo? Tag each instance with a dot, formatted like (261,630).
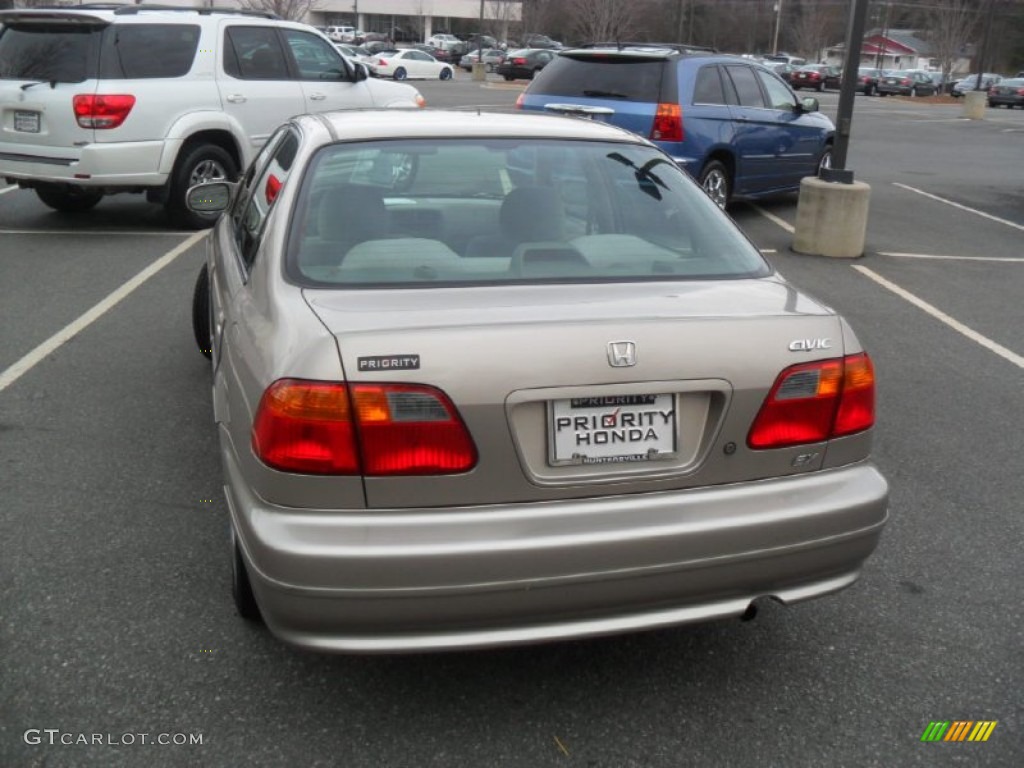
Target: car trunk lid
(567,390)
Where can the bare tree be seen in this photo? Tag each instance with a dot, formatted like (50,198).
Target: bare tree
(596,20)
(950,24)
(293,10)
(814,28)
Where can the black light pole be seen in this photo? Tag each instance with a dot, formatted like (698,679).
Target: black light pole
(844,118)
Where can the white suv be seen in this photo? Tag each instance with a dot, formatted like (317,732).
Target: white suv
(98,101)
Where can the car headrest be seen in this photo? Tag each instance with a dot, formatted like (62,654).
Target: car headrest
(352,214)
(531,213)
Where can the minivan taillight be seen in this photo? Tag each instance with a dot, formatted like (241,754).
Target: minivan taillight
(812,402)
(330,428)
(94,110)
(668,123)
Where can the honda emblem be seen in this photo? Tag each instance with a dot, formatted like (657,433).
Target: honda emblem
(621,354)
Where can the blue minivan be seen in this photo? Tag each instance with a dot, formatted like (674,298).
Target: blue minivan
(733,124)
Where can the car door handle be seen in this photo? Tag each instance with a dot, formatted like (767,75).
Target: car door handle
(317,96)
(236,98)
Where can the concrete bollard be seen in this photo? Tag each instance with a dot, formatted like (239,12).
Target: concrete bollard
(831,218)
(974,105)
(479,71)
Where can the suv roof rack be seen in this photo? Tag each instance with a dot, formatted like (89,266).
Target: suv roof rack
(132,10)
(677,47)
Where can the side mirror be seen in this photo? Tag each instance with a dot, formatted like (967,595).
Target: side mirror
(360,72)
(210,197)
(808,104)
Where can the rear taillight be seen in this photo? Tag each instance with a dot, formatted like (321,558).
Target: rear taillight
(816,401)
(905,81)
(93,110)
(520,99)
(518,60)
(371,429)
(382,62)
(668,123)
(1020,91)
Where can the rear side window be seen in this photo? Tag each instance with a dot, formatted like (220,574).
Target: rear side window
(746,85)
(66,54)
(254,53)
(708,89)
(132,51)
(615,77)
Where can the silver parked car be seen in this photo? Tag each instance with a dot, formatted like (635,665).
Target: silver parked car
(491,379)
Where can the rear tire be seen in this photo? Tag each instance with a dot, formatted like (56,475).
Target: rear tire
(241,587)
(509,77)
(201,313)
(68,199)
(400,74)
(714,179)
(201,163)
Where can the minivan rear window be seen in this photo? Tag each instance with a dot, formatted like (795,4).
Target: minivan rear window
(611,77)
(65,54)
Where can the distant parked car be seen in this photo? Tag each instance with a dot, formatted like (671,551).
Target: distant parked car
(492,57)
(782,69)
(443,41)
(541,41)
(867,80)
(410,63)
(907,82)
(970,83)
(816,76)
(525,63)
(438,53)
(1007,93)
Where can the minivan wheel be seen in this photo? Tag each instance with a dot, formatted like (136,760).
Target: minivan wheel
(241,587)
(200,164)
(715,181)
(68,199)
(201,313)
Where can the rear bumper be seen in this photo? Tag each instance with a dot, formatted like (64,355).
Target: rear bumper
(447,578)
(127,164)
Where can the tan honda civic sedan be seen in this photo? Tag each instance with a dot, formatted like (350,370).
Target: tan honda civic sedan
(490,379)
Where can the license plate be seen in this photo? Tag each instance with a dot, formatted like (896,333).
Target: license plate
(610,430)
(27,122)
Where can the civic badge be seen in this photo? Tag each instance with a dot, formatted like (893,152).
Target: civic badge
(621,354)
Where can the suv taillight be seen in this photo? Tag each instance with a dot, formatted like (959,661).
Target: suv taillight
(329,428)
(94,110)
(817,401)
(668,123)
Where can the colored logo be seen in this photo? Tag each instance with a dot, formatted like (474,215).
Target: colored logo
(958,730)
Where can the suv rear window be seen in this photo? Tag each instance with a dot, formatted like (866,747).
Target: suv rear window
(603,77)
(133,51)
(48,52)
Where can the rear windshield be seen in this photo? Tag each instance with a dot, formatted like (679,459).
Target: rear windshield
(440,212)
(65,54)
(68,54)
(614,77)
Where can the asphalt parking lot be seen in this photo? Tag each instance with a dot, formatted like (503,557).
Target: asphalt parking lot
(115,612)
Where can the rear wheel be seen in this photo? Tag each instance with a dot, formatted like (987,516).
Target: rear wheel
(68,199)
(201,313)
(200,164)
(715,181)
(913,91)
(241,587)
(400,73)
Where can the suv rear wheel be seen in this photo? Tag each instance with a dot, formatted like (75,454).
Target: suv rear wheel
(715,181)
(201,163)
(68,199)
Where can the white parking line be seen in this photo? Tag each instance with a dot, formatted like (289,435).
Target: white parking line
(938,314)
(72,329)
(77,232)
(975,211)
(773,218)
(1014,259)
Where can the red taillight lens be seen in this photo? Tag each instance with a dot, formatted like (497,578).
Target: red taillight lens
(905,82)
(813,402)
(273,187)
(520,99)
(410,430)
(374,429)
(668,123)
(93,110)
(306,426)
(518,60)
(1020,91)
(382,62)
